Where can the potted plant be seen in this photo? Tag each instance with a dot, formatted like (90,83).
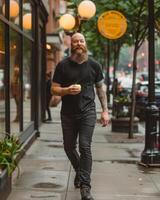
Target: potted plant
(10,147)
(121,115)
(122,106)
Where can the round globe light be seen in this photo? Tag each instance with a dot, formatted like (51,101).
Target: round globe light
(86,9)
(48,46)
(14,9)
(27,21)
(67,21)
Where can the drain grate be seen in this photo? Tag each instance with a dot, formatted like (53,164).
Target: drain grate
(46,185)
(117,161)
(55,145)
(48,168)
(43,140)
(42,197)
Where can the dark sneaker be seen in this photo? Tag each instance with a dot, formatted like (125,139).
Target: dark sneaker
(77,181)
(86,193)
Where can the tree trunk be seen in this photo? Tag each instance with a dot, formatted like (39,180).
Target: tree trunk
(133,96)
(116,49)
(106,64)
(108,74)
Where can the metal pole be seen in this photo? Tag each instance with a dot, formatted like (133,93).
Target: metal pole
(108,75)
(150,155)
(151,50)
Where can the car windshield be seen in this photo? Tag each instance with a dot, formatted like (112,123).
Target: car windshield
(157,87)
(144,88)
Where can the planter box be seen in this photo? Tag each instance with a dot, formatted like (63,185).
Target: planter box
(121,124)
(5,185)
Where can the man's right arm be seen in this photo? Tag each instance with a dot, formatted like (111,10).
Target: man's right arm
(56,89)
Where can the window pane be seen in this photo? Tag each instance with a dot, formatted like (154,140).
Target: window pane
(2,7)
(2,67)
(14,11)
(27,53)
(15,96)
(27,16)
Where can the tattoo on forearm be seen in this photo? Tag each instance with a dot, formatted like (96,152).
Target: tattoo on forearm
(102,97)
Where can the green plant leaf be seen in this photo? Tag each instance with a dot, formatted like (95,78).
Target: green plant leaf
(10,147)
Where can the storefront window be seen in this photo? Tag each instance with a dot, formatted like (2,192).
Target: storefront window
(27,52)
(1,7)
(2,88)
(14,11)
(15,94)
(27,17)
(14,8)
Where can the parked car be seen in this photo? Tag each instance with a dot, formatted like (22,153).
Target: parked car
(143,76)
(142,98)
(124,86)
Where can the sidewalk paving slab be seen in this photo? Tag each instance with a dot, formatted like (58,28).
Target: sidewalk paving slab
(46,173)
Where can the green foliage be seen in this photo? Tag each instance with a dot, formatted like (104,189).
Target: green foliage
(157,49)
(122,106)
(10,146)
(136,13)
(96,42)
(124,58)
(122,99)
(72,5)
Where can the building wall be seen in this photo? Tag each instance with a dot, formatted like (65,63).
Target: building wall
(56,53)
(51,20)
(21,66)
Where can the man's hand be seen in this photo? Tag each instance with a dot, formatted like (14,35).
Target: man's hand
(105,118)
(56,89)
(74,89)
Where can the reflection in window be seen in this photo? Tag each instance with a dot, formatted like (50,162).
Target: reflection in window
(2,89)
(15,95)
(27,52)
(27,16)
(14,10)
(2,7)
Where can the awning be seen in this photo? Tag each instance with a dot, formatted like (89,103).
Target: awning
(54,39)
(46,5)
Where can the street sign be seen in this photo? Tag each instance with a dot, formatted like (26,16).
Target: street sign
(112,24)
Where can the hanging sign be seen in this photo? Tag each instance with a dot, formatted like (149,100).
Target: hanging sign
(112,24)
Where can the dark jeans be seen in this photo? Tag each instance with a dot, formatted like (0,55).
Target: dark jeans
(74,126)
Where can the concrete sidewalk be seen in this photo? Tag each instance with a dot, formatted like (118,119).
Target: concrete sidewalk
(46,173)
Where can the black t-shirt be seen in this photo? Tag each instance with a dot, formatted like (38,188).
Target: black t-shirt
(86,74)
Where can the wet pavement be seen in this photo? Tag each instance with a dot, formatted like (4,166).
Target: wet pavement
(46,173)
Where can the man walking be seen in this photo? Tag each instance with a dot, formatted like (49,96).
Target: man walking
(74,79)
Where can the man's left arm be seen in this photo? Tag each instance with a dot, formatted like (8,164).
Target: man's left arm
(103,100)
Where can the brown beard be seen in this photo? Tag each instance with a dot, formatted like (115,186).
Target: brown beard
(77,56)
(83,48)
(79,59)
